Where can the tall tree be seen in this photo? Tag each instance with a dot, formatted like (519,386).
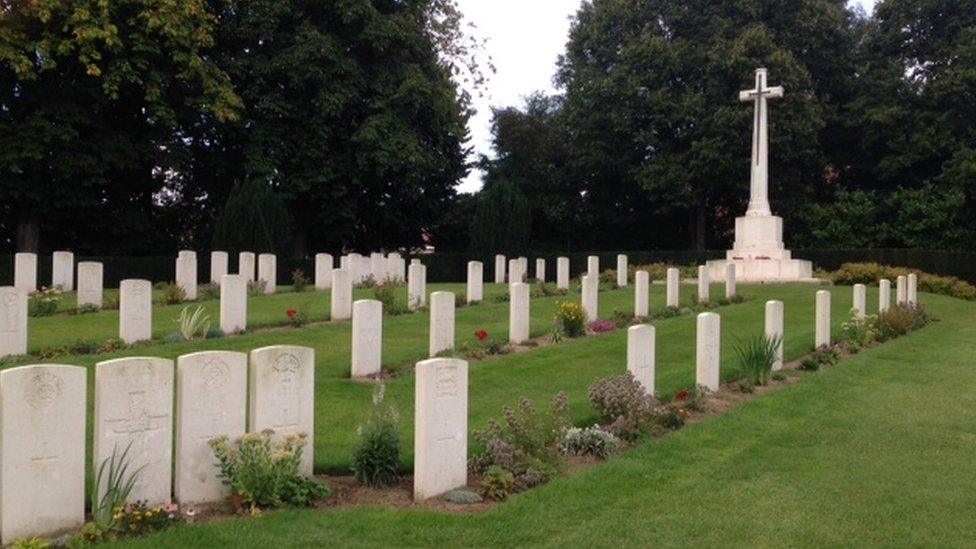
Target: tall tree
(89,92)
(651,103)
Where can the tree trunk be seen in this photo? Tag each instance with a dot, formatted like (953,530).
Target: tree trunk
(28,231)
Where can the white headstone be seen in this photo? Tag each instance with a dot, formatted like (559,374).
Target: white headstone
(246,265)
(90,276)
(640,355)
(774,329)
(186,273)
(729,280)
(268,272)
(642,285)
(63,271)
(518,313)
(514,270)
(341,298)
(211,401)
(357,268)
(912,289)
(323,271)
(884,295)
(673,287)
(901,290)
(42,451)
(562,273)
(591,297)
(135,310)
(13,322)
(415,261)
(367,337)
(441,427)
(396,267)
(593,266)
(621,270)
(540,269)
(499,269)
(219,262)
(417,286)
(233,304)
(823,319)
(282,383)
(25,272)
(476,281)
(708,356)
(377,267)
(860,300)
(704,288)
(441,322)
(134,411)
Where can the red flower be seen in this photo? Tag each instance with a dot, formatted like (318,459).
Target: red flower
(291,313)
(481,335)
(681,395)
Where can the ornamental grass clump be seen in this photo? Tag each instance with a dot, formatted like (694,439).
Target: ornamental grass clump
(571,318)
(590,441)
(193,325)
(623,405)
(524,443)
(757,357)
(376,459)
(265,473)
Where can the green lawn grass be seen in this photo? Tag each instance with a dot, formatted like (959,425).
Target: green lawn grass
(876,451)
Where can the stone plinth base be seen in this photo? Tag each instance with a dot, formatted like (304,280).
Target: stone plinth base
(763,270)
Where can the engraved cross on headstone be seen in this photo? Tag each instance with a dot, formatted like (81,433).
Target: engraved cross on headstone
(759,183)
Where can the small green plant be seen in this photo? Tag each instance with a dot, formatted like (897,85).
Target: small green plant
(898,320)
(825,356)
(112,485)
(297,317)
(84,347)
(299,281)
(44,303)
(671,419)
(571,318)
(265,473)
(745,386)
(757,356)
(376,459)
(172,294)
(694,399)
(387,295)
(590,441)
(779,376)
(809,365)
(31,543)
(193,325)
(498,484)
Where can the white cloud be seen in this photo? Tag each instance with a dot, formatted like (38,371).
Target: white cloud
(524,39)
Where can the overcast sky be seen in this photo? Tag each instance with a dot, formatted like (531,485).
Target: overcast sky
(524,49)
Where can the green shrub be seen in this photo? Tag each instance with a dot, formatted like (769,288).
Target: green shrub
(825,356)
(266,473)
(745,386)
(376,459)
(859,332)
(84,347)
(870,273)
(779,376)
(31,543)
(757,356)
(44,302)
(591,441)
(623,405)
(299,281)
(497,483)
(671,419)
(524,443)
(88,308)
(571,318)
(898,320)
(694,399)
(172,294)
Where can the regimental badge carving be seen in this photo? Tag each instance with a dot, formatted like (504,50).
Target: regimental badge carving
(447,382)
(43,389)
(286,367)
(215,374)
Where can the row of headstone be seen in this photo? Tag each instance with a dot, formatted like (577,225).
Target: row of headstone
(62,271)
(43,413)
(375,267)
(906,294)
(516,270)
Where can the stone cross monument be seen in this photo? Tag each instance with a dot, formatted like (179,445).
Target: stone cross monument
(758,252)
